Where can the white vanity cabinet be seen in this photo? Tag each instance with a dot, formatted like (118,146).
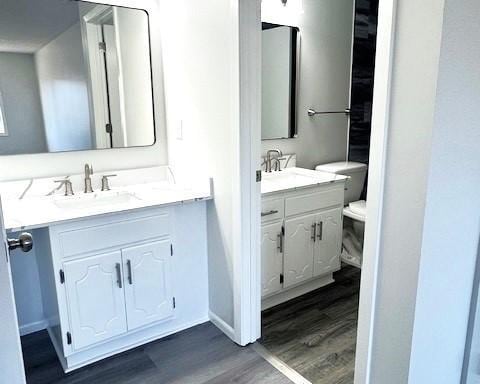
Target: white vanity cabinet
(299,246)
(301,240)
(94,298)
(148,283)
(108,282)
(113,293)
(272,263)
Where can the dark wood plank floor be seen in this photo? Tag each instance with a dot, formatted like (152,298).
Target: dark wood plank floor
(199,355)
(315,334)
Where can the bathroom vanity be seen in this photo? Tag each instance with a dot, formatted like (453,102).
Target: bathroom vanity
(113,265)
(301,236)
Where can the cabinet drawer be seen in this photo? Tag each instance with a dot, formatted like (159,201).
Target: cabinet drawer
(272,210)
(313,201)
(98,236)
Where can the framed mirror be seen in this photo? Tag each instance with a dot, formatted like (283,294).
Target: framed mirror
(280,57)
(74,76)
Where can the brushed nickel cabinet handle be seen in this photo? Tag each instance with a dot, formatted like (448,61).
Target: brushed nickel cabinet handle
(272,212)
(280,242)
(129,268)
(118,267)
(320,230)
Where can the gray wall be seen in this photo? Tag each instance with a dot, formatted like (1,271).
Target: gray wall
(23,111)
(326,38)
(26,285)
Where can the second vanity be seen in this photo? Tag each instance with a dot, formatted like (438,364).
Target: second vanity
(111,263)
(301,236)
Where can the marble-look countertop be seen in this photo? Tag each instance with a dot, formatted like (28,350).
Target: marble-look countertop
(36,210)
(297,178)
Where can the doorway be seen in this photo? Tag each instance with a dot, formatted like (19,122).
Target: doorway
(250,70)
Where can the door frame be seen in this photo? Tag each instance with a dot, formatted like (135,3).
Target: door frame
(248,286)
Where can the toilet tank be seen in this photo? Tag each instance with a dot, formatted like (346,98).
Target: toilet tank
(357,173)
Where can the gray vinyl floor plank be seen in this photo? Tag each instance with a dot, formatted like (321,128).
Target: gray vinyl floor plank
(199,355)
(207,357)
(315,334)
(256,370)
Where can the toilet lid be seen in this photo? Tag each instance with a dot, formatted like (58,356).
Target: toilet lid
(359,207)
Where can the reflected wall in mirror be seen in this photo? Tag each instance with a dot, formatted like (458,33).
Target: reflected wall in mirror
(74,76)
(280,45)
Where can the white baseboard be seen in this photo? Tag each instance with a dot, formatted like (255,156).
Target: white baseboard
(222,325)
(26,329)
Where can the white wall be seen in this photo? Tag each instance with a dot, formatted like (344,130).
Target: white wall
(452,216)
(62,78)
(326,29)
(45,165)
(412,105)
(201,48)
(22,108)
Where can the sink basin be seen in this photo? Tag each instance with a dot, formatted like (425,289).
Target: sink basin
(92,200)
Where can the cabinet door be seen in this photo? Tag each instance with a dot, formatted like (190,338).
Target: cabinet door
(328,246)
(148,287)
(96,302)
(298,252)
(272,258)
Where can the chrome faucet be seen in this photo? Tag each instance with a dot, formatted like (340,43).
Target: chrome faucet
(88,179)
(270,159)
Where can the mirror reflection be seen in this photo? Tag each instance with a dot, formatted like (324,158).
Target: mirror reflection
(73,76)
(279,81)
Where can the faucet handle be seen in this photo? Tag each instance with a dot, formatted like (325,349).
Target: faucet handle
(68,186)
(105,184)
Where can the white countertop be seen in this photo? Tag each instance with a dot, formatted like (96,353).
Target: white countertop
(297,178)
(36,210)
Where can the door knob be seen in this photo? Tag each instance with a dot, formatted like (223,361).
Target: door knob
(24,242)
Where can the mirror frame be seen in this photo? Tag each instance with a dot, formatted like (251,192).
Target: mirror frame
(294,79)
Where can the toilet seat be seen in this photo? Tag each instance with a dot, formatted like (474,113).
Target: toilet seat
(356,210)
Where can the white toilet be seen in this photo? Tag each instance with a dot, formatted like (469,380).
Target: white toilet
(355,209)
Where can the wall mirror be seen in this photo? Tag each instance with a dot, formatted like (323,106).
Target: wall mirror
(280,48)
(74,76)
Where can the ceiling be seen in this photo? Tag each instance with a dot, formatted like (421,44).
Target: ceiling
(28,25)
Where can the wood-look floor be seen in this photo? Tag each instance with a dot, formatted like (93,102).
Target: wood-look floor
(315,334)
(199,355)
